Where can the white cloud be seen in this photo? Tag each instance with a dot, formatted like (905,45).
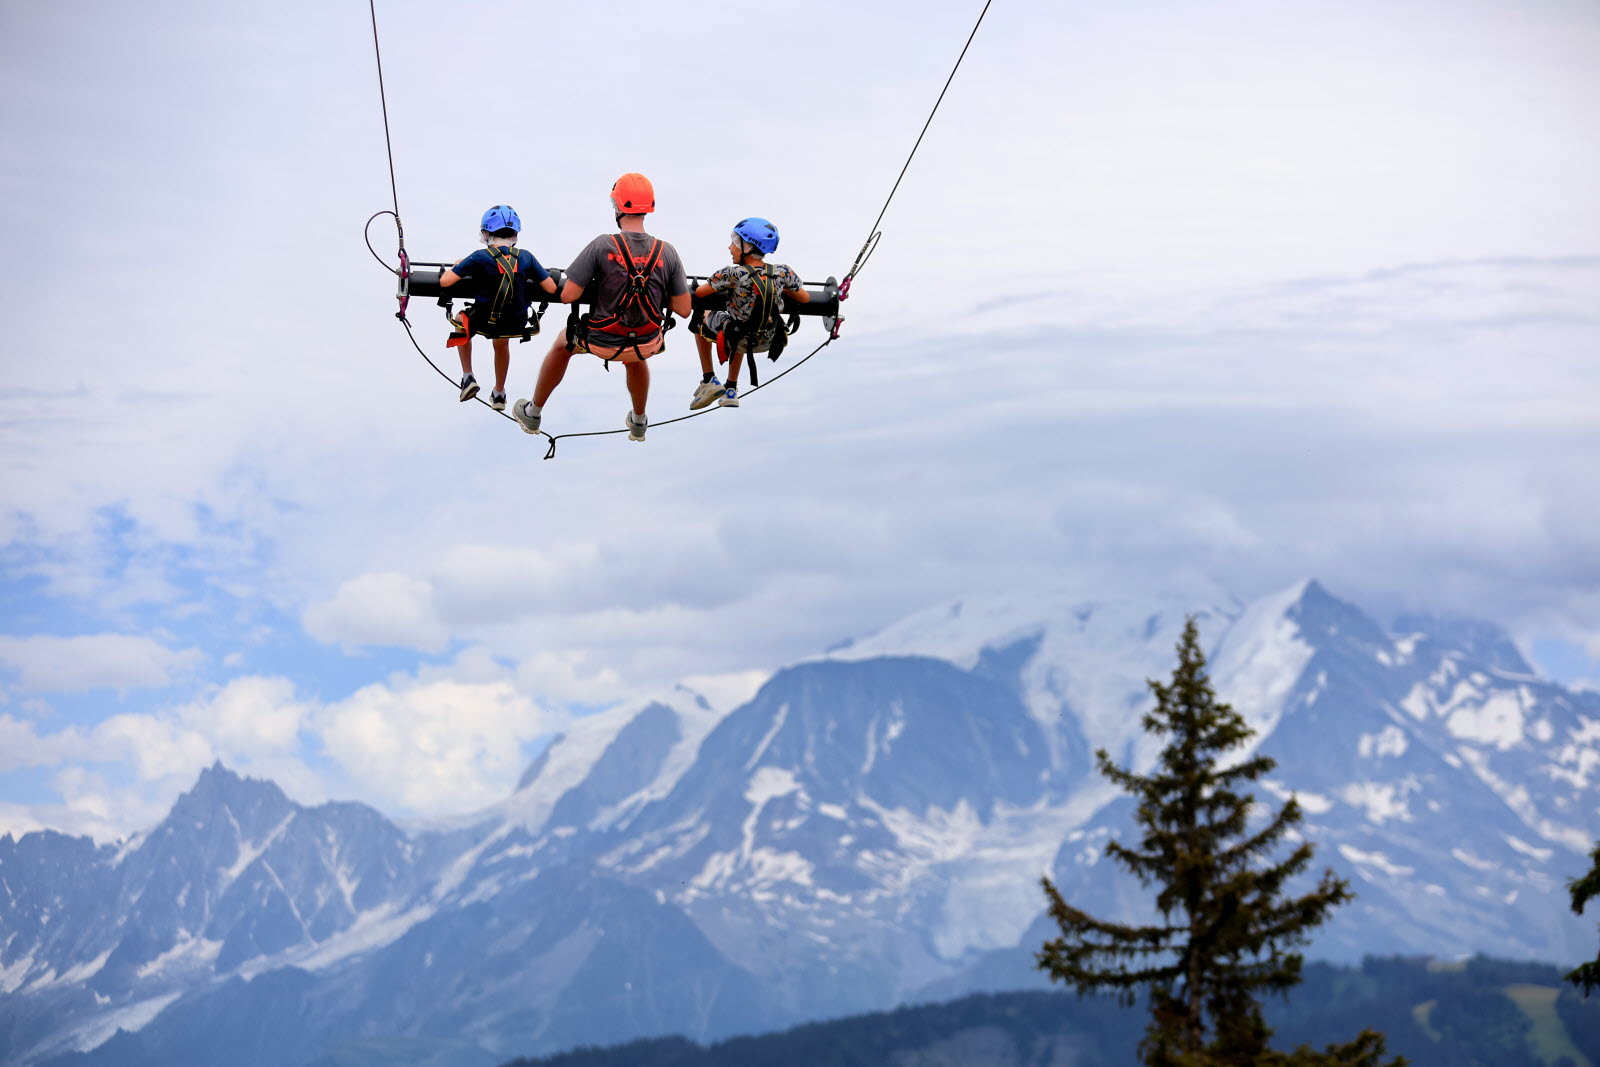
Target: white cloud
(22,746)
(432,747)
(94,661)
(1130,401)
(157,748)
(249,717)
(379,609)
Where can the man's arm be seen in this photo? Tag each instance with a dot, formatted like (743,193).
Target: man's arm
(448,278)
(570,292)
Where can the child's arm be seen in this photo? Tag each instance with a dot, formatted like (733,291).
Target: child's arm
(546,283)
(799,294)
(720,279)
(450,275)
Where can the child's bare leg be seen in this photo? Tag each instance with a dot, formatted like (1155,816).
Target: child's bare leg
(703,346)
(734,359)
(551,371)
(502,362)
(638,385)
(466,356)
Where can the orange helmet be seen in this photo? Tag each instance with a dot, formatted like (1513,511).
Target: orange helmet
(632,194)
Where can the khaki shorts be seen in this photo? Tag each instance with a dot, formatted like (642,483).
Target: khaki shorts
(630,354)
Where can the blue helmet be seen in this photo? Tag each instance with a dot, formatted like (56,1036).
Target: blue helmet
(758,232)
(501,217)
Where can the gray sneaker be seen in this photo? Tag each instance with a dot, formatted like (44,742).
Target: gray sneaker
(469,388)
(522,410)
(636,428)
(705,394)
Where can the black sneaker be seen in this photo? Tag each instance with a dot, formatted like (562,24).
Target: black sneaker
(469,388)
(497,401)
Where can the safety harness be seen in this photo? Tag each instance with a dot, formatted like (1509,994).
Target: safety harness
(504,312)
(766,319)
(634,304)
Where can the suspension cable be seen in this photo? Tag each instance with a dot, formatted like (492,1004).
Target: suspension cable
(868,247)
(873,233)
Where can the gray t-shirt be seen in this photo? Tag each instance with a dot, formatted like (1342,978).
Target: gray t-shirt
(603,274)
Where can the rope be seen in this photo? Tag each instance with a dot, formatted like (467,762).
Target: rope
(366,235)
(551,451)
(550,454)
(867,249)
(384,100)
(925,125)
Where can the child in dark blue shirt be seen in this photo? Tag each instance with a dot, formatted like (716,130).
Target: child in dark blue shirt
(497,283)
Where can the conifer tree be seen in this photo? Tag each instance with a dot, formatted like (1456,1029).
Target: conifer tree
(1586,976)
(1227,929)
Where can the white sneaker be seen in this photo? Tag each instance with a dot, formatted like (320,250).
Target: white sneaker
(704,394)
(522,410)
(730,397)
(636,428)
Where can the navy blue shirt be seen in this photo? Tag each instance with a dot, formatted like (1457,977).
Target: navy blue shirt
(482,277)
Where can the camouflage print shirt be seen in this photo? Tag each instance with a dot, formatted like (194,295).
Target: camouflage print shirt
(739,283)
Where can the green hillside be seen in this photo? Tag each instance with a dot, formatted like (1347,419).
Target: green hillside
(1471,1013)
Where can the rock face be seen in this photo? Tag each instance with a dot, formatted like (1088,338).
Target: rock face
(868,829)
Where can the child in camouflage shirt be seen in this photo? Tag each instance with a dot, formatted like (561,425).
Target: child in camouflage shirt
(755,291)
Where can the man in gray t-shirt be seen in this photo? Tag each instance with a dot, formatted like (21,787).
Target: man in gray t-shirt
(629,276)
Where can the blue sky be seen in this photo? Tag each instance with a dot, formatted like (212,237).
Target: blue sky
(1228,292)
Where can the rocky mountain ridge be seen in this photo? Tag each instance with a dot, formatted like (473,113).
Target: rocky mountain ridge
(867,830)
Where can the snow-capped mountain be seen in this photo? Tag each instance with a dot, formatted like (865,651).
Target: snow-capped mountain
(868,828)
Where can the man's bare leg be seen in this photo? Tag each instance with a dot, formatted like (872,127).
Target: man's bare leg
(638,385)
(551,371)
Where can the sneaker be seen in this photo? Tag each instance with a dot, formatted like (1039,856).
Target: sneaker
(497,401)
(469,387)
(704,394)
(730,397)
(522,411)
(636,428)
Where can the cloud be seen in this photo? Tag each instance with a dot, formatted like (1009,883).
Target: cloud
(432,747)
(94,661)
(249,717)
(22,746)
(1291,311)
(379,609)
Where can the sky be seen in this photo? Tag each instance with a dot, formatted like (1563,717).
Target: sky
(1216,295)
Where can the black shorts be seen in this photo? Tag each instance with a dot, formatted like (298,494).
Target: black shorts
(501,328)
(716,322)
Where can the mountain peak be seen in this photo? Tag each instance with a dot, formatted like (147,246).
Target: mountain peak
(1323,618)
(1485,642)
(219,787)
